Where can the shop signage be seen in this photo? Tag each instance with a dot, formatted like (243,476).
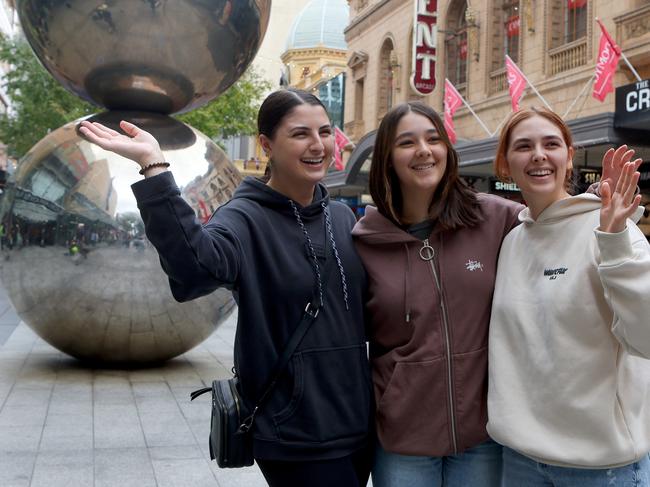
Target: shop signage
(587,177)
(496,185)
(633,106)
(425,40)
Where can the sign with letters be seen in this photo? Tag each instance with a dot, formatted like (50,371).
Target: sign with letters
(425,40)
(633,106)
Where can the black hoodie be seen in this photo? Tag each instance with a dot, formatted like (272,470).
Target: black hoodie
(255,246)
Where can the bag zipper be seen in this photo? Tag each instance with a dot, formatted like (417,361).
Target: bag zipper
(427,253)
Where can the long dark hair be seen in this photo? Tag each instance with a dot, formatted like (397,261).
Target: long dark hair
(454,204)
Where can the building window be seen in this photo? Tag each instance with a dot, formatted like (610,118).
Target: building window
(568,35)
(387,62)
(456,45)
(575,20)
(511,28)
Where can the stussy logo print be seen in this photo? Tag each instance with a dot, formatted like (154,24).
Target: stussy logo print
(474,265)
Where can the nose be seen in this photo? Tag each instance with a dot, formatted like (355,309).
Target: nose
(423,149)
(317,145)
(538,153)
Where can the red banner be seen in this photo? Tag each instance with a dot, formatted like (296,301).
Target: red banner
(512,26)
(453,100)
(574,4)
(425,34)
(462,49)
(516,82)
(340,141)
(608,55)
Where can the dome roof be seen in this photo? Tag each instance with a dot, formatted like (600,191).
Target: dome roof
(321,22)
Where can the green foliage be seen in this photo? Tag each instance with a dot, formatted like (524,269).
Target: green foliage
(232,113)
(40,104)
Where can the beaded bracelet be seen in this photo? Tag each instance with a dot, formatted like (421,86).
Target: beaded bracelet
(152,165)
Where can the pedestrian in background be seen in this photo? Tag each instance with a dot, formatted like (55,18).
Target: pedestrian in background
(270,244)
(569,387)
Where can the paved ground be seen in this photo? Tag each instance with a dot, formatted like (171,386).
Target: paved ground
(62,424)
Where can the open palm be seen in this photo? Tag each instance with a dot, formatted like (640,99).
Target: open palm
(137,145)
(620,204)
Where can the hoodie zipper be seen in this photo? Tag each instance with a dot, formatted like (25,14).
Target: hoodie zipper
(427,253)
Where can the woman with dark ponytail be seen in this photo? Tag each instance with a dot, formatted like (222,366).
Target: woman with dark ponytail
(271,244)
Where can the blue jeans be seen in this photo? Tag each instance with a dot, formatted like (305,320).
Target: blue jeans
(477,467)
(520,470)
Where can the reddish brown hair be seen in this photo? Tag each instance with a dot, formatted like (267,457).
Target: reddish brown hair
(500,161)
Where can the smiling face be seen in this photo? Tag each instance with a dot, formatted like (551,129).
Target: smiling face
(419,156)
(539,161)
(301,149)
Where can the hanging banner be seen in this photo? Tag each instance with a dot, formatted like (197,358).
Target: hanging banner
(575,4)
(425,39)
(452,102)
(462,49)
(516,82)
(512,26)
(608,55)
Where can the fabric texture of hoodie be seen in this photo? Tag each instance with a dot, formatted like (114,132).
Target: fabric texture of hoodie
(570,339)
(429,328)
(255,246)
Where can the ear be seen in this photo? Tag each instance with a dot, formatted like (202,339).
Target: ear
(571,154)
(265,143)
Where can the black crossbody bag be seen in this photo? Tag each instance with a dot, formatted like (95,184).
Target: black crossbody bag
(231,436)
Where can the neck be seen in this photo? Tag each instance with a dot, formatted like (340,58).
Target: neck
(538,205)
(415,206)
(301,194)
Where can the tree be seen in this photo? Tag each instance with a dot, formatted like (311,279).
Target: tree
(39,103)
(232,113)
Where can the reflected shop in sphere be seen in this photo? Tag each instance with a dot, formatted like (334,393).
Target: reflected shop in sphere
(77,265)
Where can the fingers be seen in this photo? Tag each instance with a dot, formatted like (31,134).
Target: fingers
(605,194)
(637,163)
(618,155)
(130,129)
(608,158)
(628,196)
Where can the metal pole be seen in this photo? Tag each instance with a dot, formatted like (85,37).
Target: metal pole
(579,95)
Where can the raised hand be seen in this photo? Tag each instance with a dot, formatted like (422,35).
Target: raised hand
(613,162)
(619,205)
(138,145)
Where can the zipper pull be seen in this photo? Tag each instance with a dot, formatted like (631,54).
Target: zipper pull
(426,251)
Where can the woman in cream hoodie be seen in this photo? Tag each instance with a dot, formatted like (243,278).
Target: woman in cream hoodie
(569,343)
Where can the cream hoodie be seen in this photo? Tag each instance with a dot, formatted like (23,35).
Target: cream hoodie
(569,379)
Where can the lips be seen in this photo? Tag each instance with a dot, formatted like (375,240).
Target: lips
(539,172)
(423,166)
(312,162)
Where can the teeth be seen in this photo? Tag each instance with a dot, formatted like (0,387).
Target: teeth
(422,167)
(312,161)
(540,172)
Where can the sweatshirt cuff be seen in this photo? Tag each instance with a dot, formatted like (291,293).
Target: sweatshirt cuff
(615,248)
(156,186)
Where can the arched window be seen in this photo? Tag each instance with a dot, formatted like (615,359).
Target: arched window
(511,27)
(387,63)
(456,45)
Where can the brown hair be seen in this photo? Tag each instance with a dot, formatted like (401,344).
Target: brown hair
(500,161)
(454,203)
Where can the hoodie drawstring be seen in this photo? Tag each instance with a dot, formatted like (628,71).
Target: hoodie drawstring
(314,259)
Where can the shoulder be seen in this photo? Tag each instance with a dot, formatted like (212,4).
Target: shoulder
(342,213)
(494,203)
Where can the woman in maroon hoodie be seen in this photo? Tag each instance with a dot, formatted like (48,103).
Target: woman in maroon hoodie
(430,248)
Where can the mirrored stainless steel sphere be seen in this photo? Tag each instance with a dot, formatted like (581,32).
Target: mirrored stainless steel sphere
(165,56)
(75,261)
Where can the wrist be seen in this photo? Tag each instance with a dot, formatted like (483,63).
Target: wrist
(154,168)
(154,156)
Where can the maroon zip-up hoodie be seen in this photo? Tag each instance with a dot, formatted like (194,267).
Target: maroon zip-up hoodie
(429,328)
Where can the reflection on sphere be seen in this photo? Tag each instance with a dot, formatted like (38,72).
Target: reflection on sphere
(77,266)
(164,56)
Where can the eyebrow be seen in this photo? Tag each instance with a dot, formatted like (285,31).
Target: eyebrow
(546,137)
(304,127)
(411,134)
